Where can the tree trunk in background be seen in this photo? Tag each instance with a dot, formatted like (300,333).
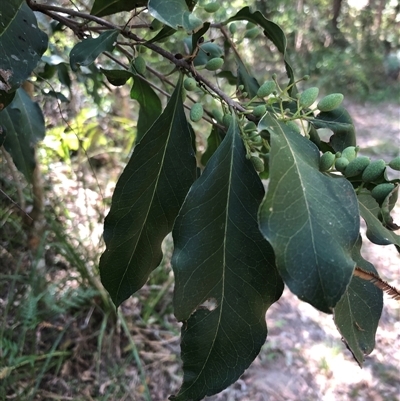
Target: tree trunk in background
(337,6)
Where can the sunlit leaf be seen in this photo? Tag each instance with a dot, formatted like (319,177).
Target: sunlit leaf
(174,13)
(311,219)
(85,52)
(225,277)
(357,314)
(23,43)
(146,200)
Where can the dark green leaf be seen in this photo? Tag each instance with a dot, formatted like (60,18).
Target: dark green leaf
(174,13)
(357,313)
(147,198)
(341,124)
(22,123)
(196,36)
(244,78)
(376,232)
(85,52)
(107,7)
(213,141)
(150,105)
(23,43)
(166,32)
(117,77)
(225,278)
(311,219)
(271,30)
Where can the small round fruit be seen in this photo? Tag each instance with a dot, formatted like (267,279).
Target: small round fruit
(326,161)
(381,191)
(211,7)
(190,84)
(341,163)
(250,25)
(357,166)
(140,65)
(257,164)
(293,126)
(266,89)
(330,102)
(250,126)
(259,111)
(308,97)
(196,112)
(214,64)
(252,33)
(395,163)
(350,153)
(374,170)
(232,28)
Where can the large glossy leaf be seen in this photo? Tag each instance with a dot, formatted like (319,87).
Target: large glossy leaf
(22,124)
(174,13)
(150,105)
(311,219)
(23,43)
(341,124)
(271,30)
(107,7)
(225,278)
(357,314)
(376,232)
(146,200)
(85,52)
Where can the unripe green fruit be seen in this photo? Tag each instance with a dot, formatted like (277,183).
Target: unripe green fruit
(257,164)
(308,97)
(259,111)
(156,25)
(190,84)
(330,102)
(326,161)
(395,163)
(250,25)
(381,191)
(252,33)
(227,119)
(266,89)
(233,28)
(256,141)
(194,22)
(196,112)
(374,171)
(140,65)
(217,114)
(350,153)
(341,163)
(293,126)
(214,64)
(357,166)
(211,7)
(250,126)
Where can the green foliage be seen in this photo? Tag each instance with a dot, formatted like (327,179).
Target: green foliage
(235,246)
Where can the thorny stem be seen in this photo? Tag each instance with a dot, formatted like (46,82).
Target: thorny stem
(182,64)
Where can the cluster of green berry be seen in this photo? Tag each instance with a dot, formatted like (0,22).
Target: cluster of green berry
(361,168)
